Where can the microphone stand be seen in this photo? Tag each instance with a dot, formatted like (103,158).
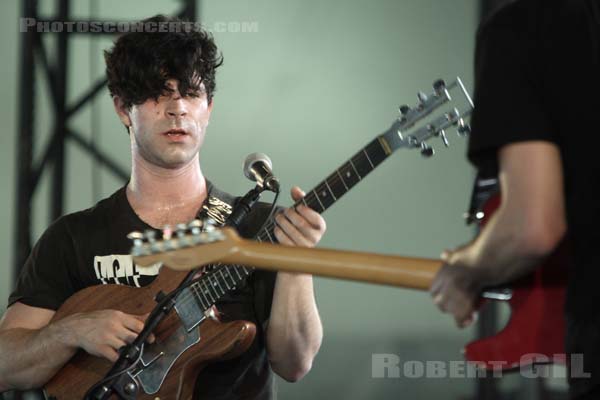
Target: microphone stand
(243,207)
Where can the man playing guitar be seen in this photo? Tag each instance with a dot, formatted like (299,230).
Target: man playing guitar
(162,85)
(534,126)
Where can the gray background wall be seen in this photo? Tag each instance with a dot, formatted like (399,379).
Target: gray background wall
(313,83)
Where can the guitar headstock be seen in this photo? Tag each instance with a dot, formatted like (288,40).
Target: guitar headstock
(446,107)
(179,247)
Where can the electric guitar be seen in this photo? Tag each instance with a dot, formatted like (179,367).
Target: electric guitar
(188,338)
(535,332)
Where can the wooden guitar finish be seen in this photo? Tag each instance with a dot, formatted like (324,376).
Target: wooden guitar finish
(218,341)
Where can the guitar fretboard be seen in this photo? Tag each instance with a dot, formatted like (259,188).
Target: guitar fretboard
(337,183)
(224,278)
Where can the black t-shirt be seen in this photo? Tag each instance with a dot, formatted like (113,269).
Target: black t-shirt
(537,77)
(90,247)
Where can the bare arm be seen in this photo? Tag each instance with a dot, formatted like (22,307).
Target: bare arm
(32,350)
(294,333)
(526,228)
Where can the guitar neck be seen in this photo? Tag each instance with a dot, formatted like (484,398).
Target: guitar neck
(338,183)
(217,283)
(406,131)
(406,272)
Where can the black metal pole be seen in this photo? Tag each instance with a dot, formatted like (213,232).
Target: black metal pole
(25,142)
(189,10)
(58,178)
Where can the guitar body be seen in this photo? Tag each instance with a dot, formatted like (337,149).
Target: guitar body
(535,331)
(172,375)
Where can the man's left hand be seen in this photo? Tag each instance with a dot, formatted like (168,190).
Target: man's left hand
(300,225)
(456,288)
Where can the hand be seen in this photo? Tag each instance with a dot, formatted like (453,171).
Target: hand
(456,289)
(299,226)
(102,333)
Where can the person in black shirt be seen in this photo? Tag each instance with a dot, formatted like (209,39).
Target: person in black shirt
(162,85)
(537,78)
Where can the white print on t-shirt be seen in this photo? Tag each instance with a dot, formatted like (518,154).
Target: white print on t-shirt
(120,269)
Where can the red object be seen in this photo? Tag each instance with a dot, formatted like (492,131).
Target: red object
(535,331)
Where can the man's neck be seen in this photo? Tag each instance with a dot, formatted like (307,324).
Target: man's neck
(166,196)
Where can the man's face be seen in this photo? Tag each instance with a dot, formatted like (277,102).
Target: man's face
(169,132)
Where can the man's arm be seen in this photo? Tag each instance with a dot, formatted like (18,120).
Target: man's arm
(32,350)
(294,332)
(528,225)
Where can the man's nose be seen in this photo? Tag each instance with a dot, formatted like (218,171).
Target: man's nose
(176,109)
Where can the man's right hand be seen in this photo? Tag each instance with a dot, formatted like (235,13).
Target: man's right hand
(101,333)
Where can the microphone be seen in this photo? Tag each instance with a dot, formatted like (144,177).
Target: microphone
(258,168)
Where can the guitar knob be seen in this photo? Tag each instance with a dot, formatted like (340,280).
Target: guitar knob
(130,388)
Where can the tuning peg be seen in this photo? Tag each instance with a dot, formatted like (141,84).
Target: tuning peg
(167,232)
(439,86)
(197,223)
(195,227)
(422,97)
(444,138)
(137,238)
(209,225)
(426,151)
(404,109)
(150,235)
(463,129)
(180,230)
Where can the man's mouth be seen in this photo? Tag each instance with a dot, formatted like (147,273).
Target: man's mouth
(175,132)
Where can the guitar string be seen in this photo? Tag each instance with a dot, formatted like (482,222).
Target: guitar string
(311,196)
(205,286)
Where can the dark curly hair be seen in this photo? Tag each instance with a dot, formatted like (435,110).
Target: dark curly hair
(140,62)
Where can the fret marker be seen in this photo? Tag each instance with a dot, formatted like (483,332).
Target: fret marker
(330,191)
(342,179)
(355,170)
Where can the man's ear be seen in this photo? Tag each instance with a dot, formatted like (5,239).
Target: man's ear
(210,106)
(122,111)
